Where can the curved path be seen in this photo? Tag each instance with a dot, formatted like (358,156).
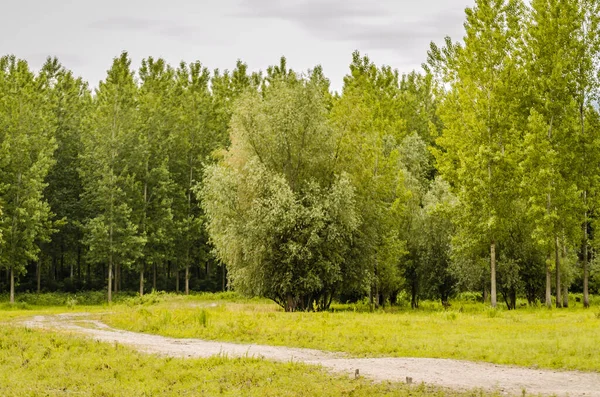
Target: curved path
(441,372)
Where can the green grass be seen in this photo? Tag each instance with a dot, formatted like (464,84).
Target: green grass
(532,337)
(35,363)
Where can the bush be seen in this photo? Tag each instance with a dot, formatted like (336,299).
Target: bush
(470,296)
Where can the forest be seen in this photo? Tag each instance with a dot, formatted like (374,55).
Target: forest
(479,173)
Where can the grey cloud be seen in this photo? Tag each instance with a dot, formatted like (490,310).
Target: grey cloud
(372,26)
(401,35)
(310,10)
(159,27)
(69,60)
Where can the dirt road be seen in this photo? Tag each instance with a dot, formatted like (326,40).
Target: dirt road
(442,372)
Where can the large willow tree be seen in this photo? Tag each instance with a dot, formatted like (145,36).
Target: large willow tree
(280,216)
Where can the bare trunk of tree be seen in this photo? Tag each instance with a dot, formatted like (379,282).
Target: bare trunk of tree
(154,277)
(177,280)
(486,293)
(557,265)
(290,305)
(548,287)
(12,285)
(223,269)
(110,265)
(89,275)
(116,278)
(142,281)
(493,271)
(586,270)
(187,278)
(79,263)
(565,283)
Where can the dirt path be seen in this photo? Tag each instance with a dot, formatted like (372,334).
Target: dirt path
(442,372)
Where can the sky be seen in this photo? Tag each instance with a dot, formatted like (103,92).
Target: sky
(86,35)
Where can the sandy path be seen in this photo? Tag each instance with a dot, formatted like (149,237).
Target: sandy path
(442,372)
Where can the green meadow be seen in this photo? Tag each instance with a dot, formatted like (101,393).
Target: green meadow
(52,363)
(533,337)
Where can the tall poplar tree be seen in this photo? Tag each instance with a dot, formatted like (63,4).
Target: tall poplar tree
(26,148)
(551,190)
(70,104)
(195,137)
(149,160)
(368,132)
(478,154)
(586,93)
(111,234)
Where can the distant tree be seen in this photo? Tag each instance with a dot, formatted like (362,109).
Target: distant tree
(436,232)
(550,186)
(26,147)
(69,104)
(279,215)
(148,159)
(111,233)
(478,150)
(586,94)
(368,130)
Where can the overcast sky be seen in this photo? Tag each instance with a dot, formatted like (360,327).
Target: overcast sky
(86,35)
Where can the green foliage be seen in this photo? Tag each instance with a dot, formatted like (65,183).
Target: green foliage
(400,188)
(70,102)
(278,215)
(111,233)
(26,146)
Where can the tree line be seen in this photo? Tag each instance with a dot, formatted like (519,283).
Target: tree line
(478,174)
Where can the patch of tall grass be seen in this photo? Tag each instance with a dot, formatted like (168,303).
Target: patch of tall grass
(532,337)
(34,363)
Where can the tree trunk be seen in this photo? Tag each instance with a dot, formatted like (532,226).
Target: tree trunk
(548,287)
(513,298)
(177,280)
(79,263)
(154,277)
(414,291)
(493,272)
(89,275)
(142,281)
(565,283)
(187,278)
(71,271)
(116,278)
(12,285)
(290,305)
(557,265)
(223,269)
(486,293)
(110,278)
(38,270)
(62,264)
(586,270)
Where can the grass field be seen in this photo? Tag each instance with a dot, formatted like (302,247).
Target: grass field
(44,363)
(532,337)
(36,363)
